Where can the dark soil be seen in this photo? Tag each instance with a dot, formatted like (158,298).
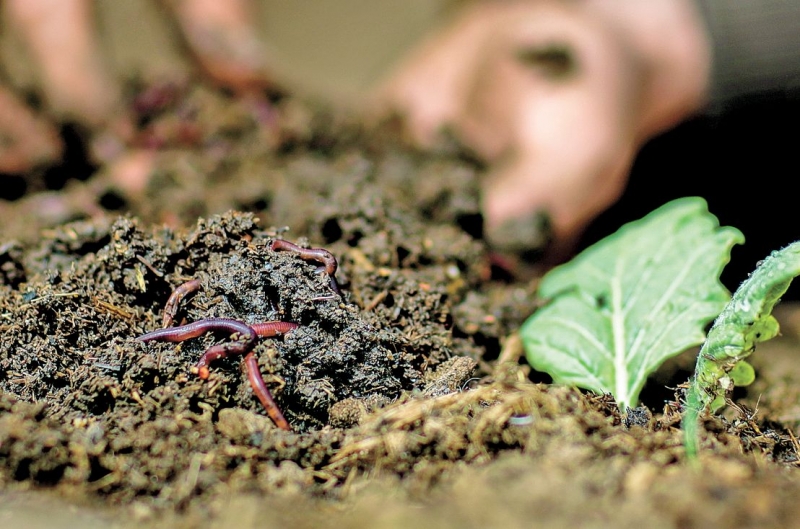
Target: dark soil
(406,398)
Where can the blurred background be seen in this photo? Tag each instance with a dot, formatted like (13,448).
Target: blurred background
(742,160)
(335,49)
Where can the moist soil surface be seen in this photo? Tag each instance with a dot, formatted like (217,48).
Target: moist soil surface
(406,395)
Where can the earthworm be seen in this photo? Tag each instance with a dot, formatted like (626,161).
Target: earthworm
(250,333)
(174,301)
(320,255)
(262,392)
(269,329)
(198,328)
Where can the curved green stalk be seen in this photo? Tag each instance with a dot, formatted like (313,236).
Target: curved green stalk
(745,321)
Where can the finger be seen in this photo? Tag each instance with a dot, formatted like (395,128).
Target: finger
(570,157)
(224,42)
(132,170)
(570,194)
(26,140)
(561,145)
(430,87)
(61,41)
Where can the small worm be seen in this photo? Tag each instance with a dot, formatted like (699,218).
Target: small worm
(269,329)
(326,258)
(262,392)
(198,328)
(174,301)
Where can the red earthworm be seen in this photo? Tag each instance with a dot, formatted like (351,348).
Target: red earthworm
(248,334)
(320,255)
(262,392)
(193,330)
(269,329)
(174,301)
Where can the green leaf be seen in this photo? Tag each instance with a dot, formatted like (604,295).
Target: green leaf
(742,374)
(634,299)
(746,320)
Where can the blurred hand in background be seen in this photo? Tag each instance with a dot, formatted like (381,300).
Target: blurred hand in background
(62,43)
(556,96)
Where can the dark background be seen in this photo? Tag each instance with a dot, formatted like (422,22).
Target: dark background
(742,160)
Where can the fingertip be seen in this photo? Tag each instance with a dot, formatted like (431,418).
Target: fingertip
(524,234)
(225,44)
(28,140)
(131,171)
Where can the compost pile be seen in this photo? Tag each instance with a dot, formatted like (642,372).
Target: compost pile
(408,379)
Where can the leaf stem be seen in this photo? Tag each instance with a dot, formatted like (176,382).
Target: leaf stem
(620,362)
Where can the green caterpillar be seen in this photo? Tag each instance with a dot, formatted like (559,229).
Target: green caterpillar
(745,321)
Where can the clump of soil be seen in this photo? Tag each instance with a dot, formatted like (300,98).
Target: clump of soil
(407,380)
(70,343)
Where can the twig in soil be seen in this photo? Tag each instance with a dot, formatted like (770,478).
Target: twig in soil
(377,300)
(48,296)
(149,266)
(113,309)
(795,444)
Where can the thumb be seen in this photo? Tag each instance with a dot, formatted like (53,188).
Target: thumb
(518,197)
(569,157)
(568,147)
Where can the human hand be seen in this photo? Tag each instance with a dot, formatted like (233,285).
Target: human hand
(557,96)
(64,48)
